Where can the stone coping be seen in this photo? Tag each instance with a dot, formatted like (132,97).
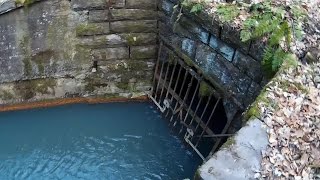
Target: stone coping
(66,101)
(9,5)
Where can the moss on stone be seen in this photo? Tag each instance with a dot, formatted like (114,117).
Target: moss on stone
(197,175)
(205,89)
(28,89)
(131,39)
(123,85)
(42,58)
(6,95)
(230,141)
(24,45)
(85,29)
(171,57)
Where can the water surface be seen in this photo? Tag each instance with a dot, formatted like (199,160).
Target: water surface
(103,141)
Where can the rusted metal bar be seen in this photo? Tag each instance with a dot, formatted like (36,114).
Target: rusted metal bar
(208,121)
(174,69)
(185,97)
(225,129)
(156,92)
(165,80)
(183,83)
(175,87)
(185,106)
(187,114)
(156,68)
(193,97)
(195,112)
(201,117)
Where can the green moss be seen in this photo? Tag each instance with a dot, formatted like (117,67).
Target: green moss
(123,85)
(171,57)
(205,89)
(6,95)
(131,39)
(24,45)
(254,109)
(197,175)
(230,141)
(28,89)
(42,58)
(87,29)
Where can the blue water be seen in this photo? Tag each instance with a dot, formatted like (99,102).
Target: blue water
(104,141)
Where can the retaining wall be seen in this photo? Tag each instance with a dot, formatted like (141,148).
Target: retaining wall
(60,48)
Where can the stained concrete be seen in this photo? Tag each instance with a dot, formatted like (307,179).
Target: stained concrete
(240,158)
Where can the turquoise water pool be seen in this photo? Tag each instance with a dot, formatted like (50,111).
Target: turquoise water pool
(103,141)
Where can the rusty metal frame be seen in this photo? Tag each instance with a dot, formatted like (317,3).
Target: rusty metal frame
(193,125)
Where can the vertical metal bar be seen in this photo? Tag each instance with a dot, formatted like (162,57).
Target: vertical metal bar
(186,95)
(175,86)
(195,112)
(208,121)
(204,110)
(183,83)
(164,82)
(156,94)
(226,127)
(156,69)
(174,69)
(193,97)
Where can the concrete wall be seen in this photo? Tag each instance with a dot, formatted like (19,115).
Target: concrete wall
(50,49)
(215,50)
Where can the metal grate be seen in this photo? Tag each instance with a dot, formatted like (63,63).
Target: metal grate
(176,92)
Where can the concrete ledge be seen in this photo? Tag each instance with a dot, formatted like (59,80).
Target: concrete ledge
(241,155)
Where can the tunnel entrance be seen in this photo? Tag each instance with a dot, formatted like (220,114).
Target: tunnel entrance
(190,103)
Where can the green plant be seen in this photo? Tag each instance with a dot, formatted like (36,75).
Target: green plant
(277,25)
(227,12)
(195,6)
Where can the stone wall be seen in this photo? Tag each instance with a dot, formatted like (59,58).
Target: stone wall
(61,48)
(215,49)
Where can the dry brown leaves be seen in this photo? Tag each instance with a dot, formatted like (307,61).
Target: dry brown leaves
(294,125)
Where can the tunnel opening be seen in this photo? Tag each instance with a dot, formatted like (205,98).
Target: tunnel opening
(191,104)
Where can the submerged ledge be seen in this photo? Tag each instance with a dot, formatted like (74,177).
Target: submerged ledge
(65,101)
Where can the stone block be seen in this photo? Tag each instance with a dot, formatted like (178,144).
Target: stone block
(206,21)
(98,15)
(125,39)
(132,14)
(92,29)
(257,49)
(248,65)
(133,26)
(117,3)
(88,4)
(232,37)
(224,49)
(141,4)
(196,30)
(166,6)
(188,46)
(111,53)
(143,52)
(137,39)
(205,57)
(253,92)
